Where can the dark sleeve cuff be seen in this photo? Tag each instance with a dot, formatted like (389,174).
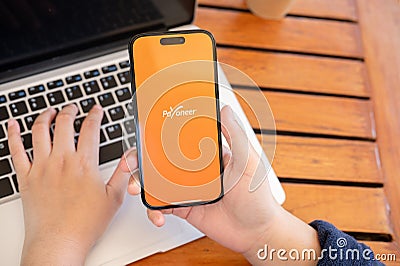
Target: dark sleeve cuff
(339,248)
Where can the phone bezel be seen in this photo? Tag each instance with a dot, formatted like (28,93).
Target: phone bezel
(218,112)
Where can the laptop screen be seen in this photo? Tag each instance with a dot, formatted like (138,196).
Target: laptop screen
(36,30)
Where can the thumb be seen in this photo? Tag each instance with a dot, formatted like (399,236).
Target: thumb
(118,183)
(235,135)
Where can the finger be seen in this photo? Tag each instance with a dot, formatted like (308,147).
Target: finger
(89,138)
(129,164)
(156,217)
(118,183)
(234,134)
(129,161)
(19,157)
(134,187)
(64,131)
(227,155)
(41,139)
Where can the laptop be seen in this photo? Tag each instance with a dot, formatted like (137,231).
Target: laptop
(58,52)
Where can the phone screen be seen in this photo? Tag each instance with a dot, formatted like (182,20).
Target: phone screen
(177,114)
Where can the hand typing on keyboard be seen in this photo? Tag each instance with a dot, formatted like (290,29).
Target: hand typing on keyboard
(66,204)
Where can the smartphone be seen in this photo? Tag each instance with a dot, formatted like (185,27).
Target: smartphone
(176,108)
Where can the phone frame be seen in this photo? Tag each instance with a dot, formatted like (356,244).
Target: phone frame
(136,117)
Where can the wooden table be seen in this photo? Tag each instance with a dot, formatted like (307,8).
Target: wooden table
(331,73)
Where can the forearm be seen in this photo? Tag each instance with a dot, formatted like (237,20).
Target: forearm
(287,240)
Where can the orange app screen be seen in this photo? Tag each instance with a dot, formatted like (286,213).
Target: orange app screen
(179,138)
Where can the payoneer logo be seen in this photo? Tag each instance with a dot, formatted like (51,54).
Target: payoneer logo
(178,111)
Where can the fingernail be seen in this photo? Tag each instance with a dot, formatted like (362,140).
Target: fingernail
(131,160)
(230,112)
(97,107)
(11,123)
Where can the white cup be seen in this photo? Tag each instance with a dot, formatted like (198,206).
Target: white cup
(270,9)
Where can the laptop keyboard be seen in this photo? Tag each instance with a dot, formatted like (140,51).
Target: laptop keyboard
(107,85)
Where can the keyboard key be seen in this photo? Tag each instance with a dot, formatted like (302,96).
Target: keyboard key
(114,131)
(132,141)
(116,113)
(87,104)
(73,79)
(91,87)
(78,124)
(4,151)
(35,89)
(102,136)
(106,99)
(108,82)
(29,120)
(16,95)
(2,99)
(124,77)
(123,94)
(21,125)
(5,187)
(124,64)
(5,167)
(55,84)
(129,126)
(2,133)
(91,73)
(108,69)
(4,113)
(76,140)
(15,181)
(110,152)
(55,97)
(27,141)
(104,120)
(129,108)
(73,92)
(37,103)
(18,108)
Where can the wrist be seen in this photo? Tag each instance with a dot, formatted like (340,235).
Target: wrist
(286,232)
(53,250)
(264,237)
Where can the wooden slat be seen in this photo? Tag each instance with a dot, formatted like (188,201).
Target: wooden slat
(385,248)
(292,34)
(239,4)
(296,72)
(383,62)
(211,253)
(353,209)
(203,251)
(339,205)
(338,9)
(326,159)
(309,113)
